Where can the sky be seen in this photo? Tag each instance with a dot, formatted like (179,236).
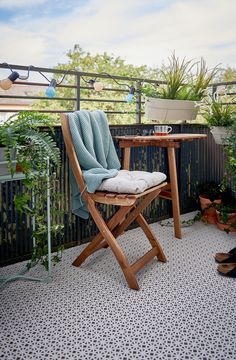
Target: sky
(40,32)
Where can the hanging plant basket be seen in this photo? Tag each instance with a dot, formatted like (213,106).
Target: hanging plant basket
(220,133)
(166,110)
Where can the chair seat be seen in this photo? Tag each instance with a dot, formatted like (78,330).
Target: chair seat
(132,182)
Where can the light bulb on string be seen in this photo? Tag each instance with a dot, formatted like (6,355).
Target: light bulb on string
(130,96)
(51,91)
(5,84)
(98,86)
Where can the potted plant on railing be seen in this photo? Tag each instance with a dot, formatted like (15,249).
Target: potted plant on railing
(176,98)
(23,135)
(220,116)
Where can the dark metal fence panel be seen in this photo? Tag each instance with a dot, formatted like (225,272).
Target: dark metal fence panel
(197,162)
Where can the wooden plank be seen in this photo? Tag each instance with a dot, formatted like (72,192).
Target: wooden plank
(137,143)
(172,137)
(139,264)
(118,201)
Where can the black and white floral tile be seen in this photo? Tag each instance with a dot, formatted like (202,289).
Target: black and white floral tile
(183,310)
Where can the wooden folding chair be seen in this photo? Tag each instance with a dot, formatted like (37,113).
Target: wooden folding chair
(130,208)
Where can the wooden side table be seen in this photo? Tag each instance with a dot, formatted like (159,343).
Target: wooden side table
(171,142)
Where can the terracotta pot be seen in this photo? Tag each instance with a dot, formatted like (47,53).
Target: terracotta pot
(19,168)
(226,227)
(208,213)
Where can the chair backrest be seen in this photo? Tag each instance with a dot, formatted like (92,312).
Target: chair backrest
(74,163)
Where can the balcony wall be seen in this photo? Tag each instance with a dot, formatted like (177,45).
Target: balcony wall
(197,162)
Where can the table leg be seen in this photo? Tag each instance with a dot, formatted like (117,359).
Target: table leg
(174,191)
(126,159)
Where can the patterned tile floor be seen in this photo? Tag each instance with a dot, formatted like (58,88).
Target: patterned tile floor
(184,309)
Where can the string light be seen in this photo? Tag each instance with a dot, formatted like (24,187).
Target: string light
(50,92)
(98,86)
(130,96)
(6,84)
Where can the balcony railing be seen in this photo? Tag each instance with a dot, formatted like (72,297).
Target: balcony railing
(197,161)
(80,95)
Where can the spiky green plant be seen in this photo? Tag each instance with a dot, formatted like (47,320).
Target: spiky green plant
(184,80)
(218,113)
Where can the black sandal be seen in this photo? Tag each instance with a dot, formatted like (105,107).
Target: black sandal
(227,269)
(229,257)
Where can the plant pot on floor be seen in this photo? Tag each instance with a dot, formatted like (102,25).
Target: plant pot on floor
(226,221)
(166,110)
(208,210)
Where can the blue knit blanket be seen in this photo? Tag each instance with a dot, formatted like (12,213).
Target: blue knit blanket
(95,151)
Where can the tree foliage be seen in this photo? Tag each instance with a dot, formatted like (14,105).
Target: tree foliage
(82,61)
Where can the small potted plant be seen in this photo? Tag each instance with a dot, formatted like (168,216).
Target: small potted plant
(220,116)
(210,193)
(226,217)
(176,97)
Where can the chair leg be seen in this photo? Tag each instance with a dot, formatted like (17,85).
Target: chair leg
(111,240)
(151,237)
(96,242)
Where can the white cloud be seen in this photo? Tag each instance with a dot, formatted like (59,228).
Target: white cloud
(11,4)
(194,28)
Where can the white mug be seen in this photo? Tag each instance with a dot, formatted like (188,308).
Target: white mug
(160,130)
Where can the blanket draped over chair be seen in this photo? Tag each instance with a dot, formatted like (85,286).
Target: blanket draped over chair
(95,151)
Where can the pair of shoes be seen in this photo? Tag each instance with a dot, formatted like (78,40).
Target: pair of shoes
(227,263)
(227,269)
(229,257)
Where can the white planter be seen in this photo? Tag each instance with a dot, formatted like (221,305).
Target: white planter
(220,133)
(166,110)
(4,170)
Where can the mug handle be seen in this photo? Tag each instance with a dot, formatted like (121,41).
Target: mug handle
(169,129)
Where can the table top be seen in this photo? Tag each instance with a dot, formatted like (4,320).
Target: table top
(169,137)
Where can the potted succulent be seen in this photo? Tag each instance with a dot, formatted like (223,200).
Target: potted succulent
(176,97)
(210,193)
(23,135)
(220,116)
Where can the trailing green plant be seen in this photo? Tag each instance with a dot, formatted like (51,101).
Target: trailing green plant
(180,81)
(230,150)
(23,132)
(37,155)
(211,190)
